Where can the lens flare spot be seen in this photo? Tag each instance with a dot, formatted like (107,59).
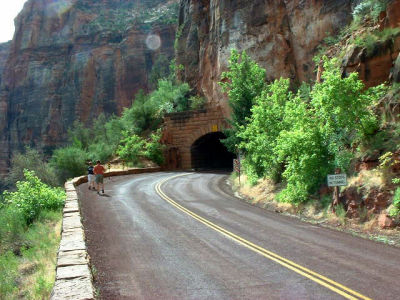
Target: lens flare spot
(153,42)
(58,7)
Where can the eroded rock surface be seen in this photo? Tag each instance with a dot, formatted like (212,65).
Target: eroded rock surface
(282,36)
(73,60)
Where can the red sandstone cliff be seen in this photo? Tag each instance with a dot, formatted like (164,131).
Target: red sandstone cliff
(74,59)
(282,36)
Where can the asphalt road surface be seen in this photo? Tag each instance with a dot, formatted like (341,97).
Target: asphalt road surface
(185,236)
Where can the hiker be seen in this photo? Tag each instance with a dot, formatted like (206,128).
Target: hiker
(91,176)
(99,172)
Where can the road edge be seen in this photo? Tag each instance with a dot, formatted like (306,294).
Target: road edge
(74,278)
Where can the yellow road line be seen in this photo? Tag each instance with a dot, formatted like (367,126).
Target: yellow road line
(318,278)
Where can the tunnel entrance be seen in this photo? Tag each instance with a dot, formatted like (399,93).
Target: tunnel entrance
(208,153)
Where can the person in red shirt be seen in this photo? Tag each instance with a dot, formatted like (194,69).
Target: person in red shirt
(99,173)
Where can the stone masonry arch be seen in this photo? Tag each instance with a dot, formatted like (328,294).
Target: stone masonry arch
(182,129)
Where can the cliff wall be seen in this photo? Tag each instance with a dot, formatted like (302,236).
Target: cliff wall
(282,36)
(75,59)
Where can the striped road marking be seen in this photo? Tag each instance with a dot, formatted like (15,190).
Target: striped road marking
(314,276)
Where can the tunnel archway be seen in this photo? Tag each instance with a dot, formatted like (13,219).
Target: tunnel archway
(208,153)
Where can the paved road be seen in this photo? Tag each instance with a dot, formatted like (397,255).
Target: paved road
(197,241)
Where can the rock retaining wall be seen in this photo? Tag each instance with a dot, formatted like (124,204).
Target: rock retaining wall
(73,275)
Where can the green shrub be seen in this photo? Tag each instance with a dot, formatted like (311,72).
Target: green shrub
(12,228)
(197,102)
(142,115)
(79,135)
(244,81)
(395,211)
(154,149)
(101,151)
(369,8)
(301,138)
(69,162)
(8,275)
(32,160)
(343,110)
(131,148)
(160,69)
(170,96)
(33,196)
(259,137)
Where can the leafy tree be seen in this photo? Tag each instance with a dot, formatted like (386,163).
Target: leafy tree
(301,138)
(170,96)
(79,135)
(369,8)
(344,112)
(131,148)
(69,162)
(154,149)
(243,82)
(259,137)
(160,69)
(142,115)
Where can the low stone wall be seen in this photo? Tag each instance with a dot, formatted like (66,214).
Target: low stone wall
(73,275)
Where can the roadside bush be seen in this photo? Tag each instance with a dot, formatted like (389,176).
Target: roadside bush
(33,196)
(32,160)
(154,149)
(12,228)
(131,148)
(300,138)
(259,137)
(79,135)
(395,211)
(69,162)
(8,274)
(101,151)
(142,115)
(344,111)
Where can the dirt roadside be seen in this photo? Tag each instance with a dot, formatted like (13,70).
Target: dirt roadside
(260,196)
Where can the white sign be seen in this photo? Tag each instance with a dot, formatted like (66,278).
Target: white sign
(337,180)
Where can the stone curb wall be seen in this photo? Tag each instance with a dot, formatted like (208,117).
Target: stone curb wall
(73,275)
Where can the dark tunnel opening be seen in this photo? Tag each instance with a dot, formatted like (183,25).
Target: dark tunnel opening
(208,153)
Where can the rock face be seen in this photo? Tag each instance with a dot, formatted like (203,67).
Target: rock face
(382,62)
(74,59)
(282,36)
(4,50)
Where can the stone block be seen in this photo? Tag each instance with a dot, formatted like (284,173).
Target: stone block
(72,272)
(385,222)
(71,221)
(72,258)
(71,207)
(72,240)
(76,289)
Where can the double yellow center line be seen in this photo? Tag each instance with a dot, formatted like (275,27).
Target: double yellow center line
(318,278)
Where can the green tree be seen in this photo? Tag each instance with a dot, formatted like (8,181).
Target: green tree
(32,160)
(344,111)
(131,148)
(69,162)
(244,81)
(259,137)
(154,149)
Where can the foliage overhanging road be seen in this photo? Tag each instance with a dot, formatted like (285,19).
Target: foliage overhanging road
(163,236)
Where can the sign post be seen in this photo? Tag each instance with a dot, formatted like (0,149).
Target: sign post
(335,181)
(236,166)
